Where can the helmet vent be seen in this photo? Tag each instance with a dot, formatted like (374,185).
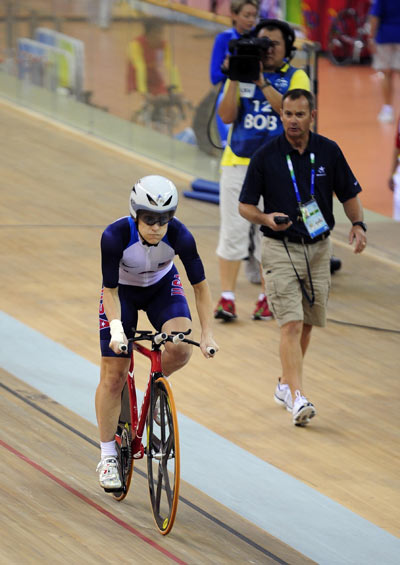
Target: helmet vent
(151,200)
(168,201)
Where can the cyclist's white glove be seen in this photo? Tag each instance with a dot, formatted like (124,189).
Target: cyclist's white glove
(118,336)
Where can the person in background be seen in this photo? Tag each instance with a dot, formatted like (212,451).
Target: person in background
(151,69)
(253,109)
(244,15)
(271,9)
(296,174)
(384,21)
(394,180)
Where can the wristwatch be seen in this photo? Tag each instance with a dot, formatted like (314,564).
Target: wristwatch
(361,224)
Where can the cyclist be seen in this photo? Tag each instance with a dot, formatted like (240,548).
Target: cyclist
(139,274)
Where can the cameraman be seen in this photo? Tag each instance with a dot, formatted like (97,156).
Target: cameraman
(253,108)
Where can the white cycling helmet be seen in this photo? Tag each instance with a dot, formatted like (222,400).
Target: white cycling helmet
(153,194)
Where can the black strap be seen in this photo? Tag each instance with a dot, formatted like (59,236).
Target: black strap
(252,245)
(302,286)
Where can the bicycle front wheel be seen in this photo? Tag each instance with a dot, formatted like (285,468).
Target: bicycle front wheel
(163,459)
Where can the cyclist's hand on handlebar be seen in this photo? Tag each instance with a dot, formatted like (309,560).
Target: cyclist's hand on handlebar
(119,344)
(208,346)
(118,337)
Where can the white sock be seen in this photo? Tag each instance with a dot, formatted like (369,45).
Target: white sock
(228,295)
(108,449)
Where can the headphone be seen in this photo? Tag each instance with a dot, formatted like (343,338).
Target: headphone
(288,34)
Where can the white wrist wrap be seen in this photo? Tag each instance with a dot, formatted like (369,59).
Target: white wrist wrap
(116,330)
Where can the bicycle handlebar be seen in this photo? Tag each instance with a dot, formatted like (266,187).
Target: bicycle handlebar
(162,337)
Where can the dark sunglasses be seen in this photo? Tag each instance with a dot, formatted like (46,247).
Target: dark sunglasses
(152,219)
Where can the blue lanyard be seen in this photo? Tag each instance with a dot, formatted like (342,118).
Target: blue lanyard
(291,170)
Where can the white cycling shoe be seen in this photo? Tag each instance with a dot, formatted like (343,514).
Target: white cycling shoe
(108,471)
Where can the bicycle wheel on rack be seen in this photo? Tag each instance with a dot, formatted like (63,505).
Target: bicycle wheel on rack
(123,439)
(342,36)
(163,459)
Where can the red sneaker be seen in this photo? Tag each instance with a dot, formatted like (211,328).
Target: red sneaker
(262,312)
(225,310)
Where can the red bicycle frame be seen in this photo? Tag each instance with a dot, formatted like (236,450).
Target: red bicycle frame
(138,421)
(162,447)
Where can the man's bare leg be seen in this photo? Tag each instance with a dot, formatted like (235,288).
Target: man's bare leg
(228,272)
(291,355)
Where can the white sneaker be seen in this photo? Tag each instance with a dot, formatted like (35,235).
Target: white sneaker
(386,115)
(283,396)
(109,474)
(302,410)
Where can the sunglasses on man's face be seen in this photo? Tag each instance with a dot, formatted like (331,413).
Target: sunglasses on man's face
(152,219)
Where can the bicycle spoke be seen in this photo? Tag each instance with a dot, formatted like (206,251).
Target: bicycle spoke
(159,486)
(167,485)
(169,449)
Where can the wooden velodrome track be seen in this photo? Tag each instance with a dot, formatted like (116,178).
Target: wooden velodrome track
(51,222)
(58,192)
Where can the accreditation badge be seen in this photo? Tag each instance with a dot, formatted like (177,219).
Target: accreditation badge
(313,219)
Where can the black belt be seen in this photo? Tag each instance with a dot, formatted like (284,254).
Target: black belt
(299,238)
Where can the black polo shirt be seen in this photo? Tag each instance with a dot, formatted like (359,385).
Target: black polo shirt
(268,176)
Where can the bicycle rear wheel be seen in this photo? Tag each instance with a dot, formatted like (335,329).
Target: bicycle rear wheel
(123,439)
(163,458)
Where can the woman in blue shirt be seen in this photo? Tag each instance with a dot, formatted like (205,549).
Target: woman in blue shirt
(244,15)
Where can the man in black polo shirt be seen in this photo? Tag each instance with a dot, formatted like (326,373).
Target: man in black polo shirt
(297,174)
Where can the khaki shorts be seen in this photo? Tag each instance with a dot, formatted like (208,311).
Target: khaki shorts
(387,56)
(234,230)
(283,290)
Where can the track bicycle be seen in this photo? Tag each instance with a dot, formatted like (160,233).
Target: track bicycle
(348,35)
(163,112)
(158,414)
